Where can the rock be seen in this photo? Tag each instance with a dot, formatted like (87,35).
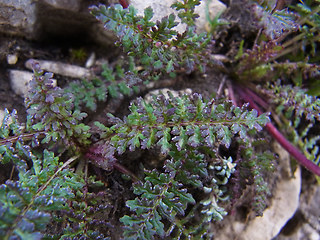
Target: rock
(162,9)
(12,59)
(18,17)
(1,116)
(19,81)
(215,8)
(285,202)
(308,232)
(91,60)
(305,232)
(305,224)
(63,20)
(52,20)
(309,205)
(60,68)
(72,5)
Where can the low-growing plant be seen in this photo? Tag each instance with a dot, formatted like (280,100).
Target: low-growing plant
(206,151)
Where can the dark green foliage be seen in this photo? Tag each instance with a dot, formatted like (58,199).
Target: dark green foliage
(210,151)
(82,219)
(87,92)
(9,134)
(44,186)
(189,165)
(186,11)
(156,46)
(304,46)
(260,166)
(163,199)
(181,122)
(308,12)
(301,114)
(51,110)
(255,63)
(180,126)
(114,79)
(26,204)
(161,196)
(293,61)
(265,60)
(277,23)
(301,49)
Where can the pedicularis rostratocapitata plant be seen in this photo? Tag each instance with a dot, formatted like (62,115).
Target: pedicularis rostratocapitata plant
(65,172)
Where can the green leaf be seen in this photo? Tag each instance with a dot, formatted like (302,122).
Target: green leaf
(148,14)
(28,236)
(158,64)
(164,141)
(169,67)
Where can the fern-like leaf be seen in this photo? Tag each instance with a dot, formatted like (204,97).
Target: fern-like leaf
(26,204)
(180,122)
(161,196)
(276,23)
(51,110)
(300,112)
(156,46)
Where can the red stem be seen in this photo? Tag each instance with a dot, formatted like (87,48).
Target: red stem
(126,171)
(293,150)
(256,98)
(124,3)
(300,157)
(231,94)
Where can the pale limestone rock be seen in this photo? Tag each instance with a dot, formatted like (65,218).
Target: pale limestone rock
(91,60)
(17,17)
(309,205)
(72,5)
(307,232)
(162,9)
(60,68)
(285,202)
(52,19)
(1,116)
(12,59)
(19,81)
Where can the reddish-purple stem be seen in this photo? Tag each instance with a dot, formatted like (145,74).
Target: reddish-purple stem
(256,98)
(231,94)
(293,150)
(124,3)
(300,157)
(126,171)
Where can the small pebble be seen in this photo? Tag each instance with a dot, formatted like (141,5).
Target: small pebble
(19,81)
(91,60)
(12,59)
(61,68)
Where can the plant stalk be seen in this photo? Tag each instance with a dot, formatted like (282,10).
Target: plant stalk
(247,95)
